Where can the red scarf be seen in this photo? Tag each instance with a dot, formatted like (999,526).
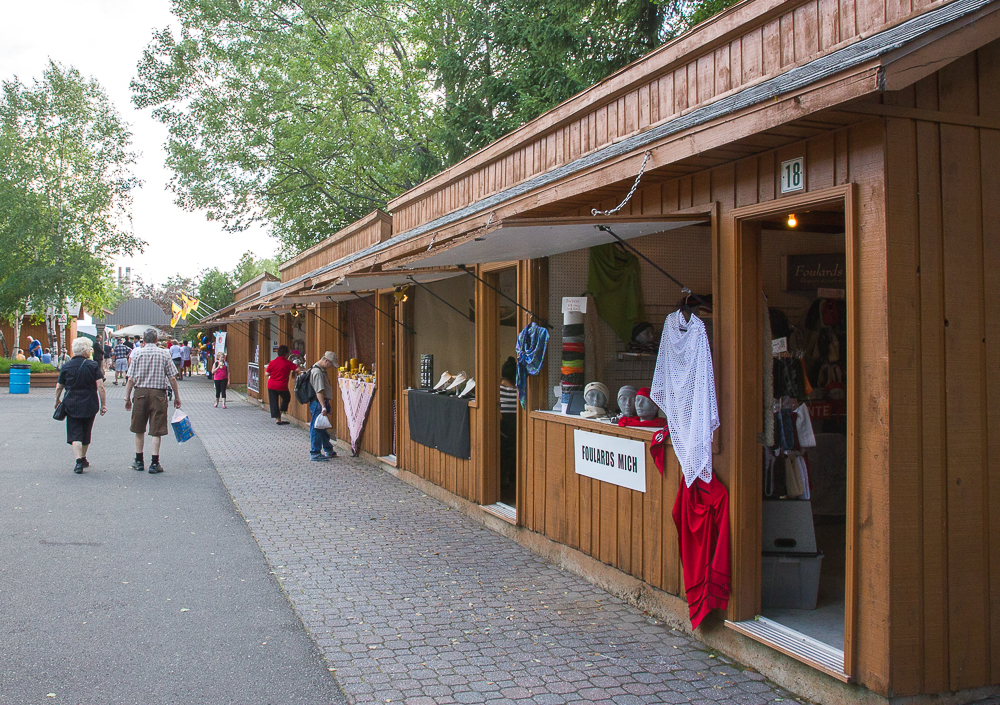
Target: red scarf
(701,515)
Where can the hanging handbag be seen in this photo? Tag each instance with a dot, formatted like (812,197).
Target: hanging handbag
(60,413)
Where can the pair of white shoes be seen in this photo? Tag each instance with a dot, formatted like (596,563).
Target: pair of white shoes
(450,383)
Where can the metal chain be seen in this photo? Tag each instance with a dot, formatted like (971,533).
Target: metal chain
(594,211)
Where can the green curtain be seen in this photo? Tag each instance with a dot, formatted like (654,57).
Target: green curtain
(615,282)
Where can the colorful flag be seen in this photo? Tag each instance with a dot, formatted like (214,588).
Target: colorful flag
(185,307)
(177,314)
(194,303)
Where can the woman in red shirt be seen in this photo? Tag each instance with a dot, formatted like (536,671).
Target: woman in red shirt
(278,371)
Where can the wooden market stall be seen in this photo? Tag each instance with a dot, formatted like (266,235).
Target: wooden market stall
(817,175)
(775,142)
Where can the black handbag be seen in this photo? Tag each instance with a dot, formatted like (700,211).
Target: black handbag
(60,413)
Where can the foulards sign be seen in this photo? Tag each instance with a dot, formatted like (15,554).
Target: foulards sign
(618,461)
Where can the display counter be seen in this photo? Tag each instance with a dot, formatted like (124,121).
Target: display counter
(457,475)
(622,527)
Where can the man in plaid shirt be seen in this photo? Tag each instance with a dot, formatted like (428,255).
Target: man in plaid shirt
(120,354)
(150,371)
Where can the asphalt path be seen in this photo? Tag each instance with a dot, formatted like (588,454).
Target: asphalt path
(123,587)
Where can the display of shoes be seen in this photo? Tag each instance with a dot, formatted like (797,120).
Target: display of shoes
(446,378)
(469,386)
(456,382)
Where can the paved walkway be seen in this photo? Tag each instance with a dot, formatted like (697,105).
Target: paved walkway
(122,587)
(411,601)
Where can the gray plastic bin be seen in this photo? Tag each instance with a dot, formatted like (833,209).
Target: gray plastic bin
(790,580)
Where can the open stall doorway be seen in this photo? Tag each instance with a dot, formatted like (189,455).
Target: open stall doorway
(506,333)
(805,333)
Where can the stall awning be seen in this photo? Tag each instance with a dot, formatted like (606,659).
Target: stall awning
(532,238)
(345,288)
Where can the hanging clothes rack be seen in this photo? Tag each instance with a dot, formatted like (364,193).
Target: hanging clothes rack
(387,315)
(538,319)
(445,302)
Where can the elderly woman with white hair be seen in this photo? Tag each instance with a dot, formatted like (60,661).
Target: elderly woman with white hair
(83,380)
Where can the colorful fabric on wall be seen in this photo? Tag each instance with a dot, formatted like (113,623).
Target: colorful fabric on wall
(615,280)
(573,356)
(357,396)
(701,515)
(531,343)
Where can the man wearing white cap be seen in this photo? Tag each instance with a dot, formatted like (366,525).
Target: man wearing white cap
(320,446)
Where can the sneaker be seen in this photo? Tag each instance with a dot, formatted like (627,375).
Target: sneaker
(318,458)
(137,465)
(86,463)
(332,454)
(155,468)
(78,468)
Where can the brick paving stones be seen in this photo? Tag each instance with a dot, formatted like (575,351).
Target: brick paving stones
(412,601)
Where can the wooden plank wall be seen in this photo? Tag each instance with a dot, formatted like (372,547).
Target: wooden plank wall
(630,530)
(237,351)
(457,475)
(764,47)
(944,298)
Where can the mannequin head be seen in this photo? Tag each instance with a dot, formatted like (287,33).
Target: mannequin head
(643,332)
(626,400)
(596,394)
(645,408)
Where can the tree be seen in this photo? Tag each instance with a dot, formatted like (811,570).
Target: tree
(307,114)
(249,267)
(303,114)
(215,290)
(163,295)
(65,193)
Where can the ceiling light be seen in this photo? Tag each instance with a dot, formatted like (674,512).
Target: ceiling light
(792,222)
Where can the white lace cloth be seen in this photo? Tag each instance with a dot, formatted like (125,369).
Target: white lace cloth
(357,396)
(684,387)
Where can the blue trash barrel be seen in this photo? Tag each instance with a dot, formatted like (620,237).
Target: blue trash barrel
(20,379)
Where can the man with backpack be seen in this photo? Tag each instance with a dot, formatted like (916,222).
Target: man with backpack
(314,388)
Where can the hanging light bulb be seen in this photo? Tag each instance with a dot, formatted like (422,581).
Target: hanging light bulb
(295,311)
(792,221)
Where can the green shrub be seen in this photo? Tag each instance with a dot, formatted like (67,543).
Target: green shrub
(36,367)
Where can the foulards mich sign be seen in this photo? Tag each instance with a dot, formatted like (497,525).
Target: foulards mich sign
(618,461)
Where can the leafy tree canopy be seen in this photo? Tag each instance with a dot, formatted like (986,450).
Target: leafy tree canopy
(65,192)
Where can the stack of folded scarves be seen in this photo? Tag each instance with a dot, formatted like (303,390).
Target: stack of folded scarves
(572,356)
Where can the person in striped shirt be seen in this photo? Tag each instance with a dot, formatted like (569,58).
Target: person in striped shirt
(508,424)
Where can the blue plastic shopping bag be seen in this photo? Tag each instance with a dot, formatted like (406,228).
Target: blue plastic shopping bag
(181,423)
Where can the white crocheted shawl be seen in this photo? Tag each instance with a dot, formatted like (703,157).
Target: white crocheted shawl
(684,387)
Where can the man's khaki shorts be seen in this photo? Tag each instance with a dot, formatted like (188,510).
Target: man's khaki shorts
(149,406)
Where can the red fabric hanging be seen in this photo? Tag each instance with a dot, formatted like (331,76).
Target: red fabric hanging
(701,515)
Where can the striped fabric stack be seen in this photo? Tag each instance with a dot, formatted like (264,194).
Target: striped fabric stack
(572,355)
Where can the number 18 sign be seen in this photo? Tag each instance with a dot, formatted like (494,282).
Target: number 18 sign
(793,175)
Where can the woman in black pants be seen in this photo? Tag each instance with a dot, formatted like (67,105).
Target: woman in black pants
(278,371)
(84,379)
(220,373)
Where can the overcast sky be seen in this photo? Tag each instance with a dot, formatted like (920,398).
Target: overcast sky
(104,39)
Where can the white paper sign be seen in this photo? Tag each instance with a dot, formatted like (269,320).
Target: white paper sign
(618,461)
(574,304)
(779,345)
